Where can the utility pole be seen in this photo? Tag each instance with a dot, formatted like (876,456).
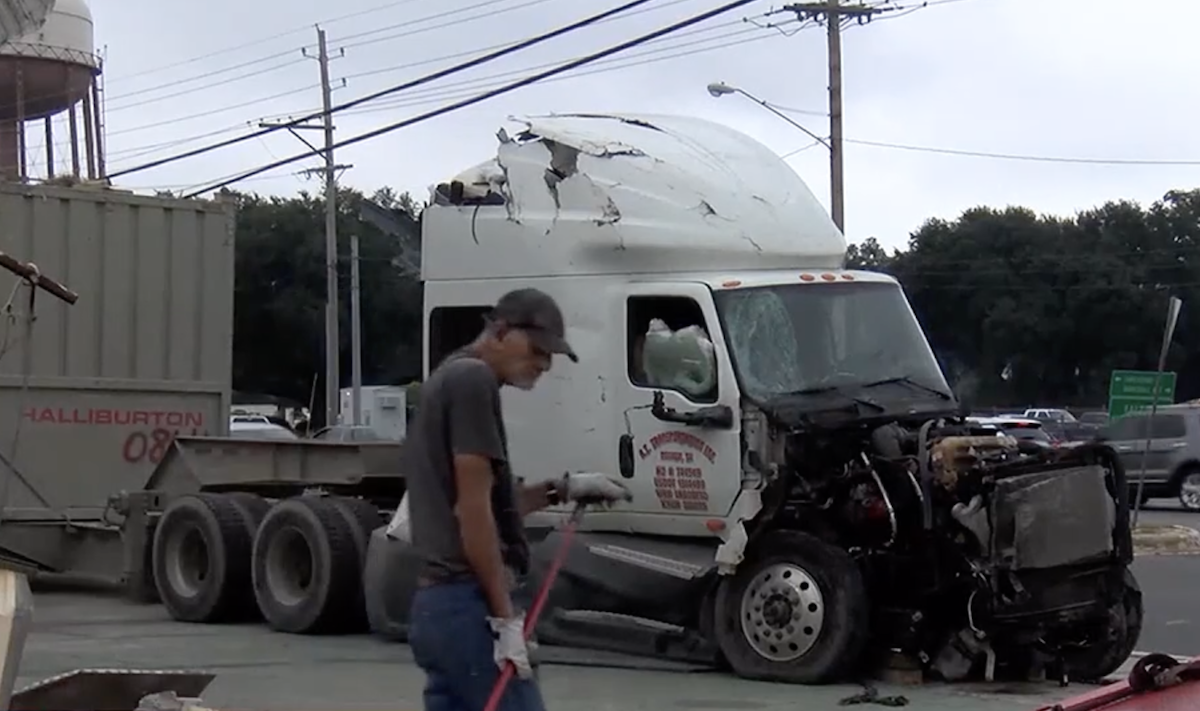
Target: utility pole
(832,12)
(332,367)
(355,332)
(329,172)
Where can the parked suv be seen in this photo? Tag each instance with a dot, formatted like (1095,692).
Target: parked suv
(1173,459)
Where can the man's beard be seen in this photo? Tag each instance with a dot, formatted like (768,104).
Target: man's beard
(526,383)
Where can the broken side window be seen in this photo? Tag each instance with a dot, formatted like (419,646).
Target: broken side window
(669,347)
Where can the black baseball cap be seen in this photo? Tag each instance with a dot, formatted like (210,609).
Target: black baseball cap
(537,313)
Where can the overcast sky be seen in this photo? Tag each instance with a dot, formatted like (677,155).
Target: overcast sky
(1090,79)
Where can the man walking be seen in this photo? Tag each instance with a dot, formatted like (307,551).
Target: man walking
(466,508)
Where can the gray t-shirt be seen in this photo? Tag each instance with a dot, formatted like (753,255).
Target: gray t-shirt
(459,413)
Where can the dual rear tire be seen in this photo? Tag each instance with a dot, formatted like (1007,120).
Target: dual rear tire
(296,564)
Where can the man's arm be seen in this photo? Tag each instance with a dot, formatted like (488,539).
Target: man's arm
(476,443)
(477,528)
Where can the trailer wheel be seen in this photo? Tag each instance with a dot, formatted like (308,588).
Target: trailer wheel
(306,567)
(796,611)
(1124,626)
(201,558)
(363,518)
(253,506)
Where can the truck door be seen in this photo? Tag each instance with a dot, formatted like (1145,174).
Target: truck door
(678,470)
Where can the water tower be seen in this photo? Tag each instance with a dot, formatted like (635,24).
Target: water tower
(42,74)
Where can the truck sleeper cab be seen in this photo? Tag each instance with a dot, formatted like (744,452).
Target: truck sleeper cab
(800,480)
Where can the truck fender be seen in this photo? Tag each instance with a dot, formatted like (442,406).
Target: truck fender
(734,537)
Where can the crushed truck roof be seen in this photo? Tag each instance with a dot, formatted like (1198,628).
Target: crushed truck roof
(592,194)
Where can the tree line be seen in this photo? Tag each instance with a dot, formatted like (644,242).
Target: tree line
(1020,308)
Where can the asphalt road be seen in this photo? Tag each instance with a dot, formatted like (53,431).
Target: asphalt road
(1168,512)
(258,670)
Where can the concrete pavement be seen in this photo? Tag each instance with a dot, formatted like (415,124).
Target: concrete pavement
(262,671)
(1169,590)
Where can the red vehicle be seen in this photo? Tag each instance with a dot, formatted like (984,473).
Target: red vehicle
(1156,683)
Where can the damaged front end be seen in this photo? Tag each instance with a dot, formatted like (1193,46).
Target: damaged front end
(981,558)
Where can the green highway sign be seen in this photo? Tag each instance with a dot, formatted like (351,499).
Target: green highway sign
(1131,390)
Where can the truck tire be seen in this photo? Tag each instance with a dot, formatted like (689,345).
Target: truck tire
(1103,657)
(201,558)
(305,567)
(389,584)
(796,611)
(252,505)
(363,518)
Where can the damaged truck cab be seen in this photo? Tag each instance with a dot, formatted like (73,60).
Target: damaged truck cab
(805,493)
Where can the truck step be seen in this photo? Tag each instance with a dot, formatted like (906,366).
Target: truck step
(626,634)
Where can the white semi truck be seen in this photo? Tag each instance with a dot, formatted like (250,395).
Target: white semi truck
(805,494)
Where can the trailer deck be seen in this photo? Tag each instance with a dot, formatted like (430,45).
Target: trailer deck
(257,670)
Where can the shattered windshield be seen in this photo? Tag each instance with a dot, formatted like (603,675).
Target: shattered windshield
(800,338)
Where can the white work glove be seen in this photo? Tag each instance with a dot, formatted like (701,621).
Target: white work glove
(510,644)
(592,489)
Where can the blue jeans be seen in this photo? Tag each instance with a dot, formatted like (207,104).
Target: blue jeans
(452,642)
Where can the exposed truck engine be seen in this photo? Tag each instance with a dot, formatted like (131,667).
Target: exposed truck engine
(807,498)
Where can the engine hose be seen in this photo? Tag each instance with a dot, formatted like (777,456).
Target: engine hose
(926,474)
(1123,535)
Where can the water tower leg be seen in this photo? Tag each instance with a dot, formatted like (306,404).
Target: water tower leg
(16,618)
(73,126)
(98,118)
(9,145)
(49,147)
(88,138)
(21,165)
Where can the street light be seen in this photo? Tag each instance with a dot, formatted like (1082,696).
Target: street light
(719,89)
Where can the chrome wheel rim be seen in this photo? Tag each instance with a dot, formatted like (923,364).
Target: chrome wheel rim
(782,612)
(1189,492)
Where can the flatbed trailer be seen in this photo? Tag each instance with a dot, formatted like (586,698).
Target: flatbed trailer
(114,416)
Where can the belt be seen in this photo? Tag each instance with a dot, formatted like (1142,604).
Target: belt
(425,581)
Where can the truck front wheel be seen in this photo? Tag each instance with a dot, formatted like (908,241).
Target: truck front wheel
(796,611)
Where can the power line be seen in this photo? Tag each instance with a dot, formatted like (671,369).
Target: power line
(1013,156)
(695,19)
(259,72)
(455,89)
(129,154)
(211,112)
(465,53)
(1017,157)
(409,23)
(632,60)
(277,55)
(192,91)
(491,56)
(263,40)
